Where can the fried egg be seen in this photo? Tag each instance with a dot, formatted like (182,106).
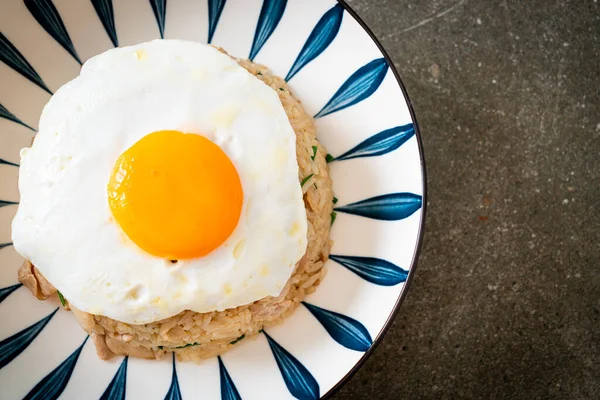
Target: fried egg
(164,178)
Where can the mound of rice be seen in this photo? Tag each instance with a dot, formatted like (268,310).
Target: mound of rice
(194,336)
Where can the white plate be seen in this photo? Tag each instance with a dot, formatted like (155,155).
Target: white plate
(363,117)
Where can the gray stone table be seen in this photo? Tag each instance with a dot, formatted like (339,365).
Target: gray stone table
(505,303)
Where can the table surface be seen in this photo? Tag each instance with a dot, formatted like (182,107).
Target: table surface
(505,303)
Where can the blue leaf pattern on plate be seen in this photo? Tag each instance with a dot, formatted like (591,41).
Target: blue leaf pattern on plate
(174,393)
(228,389)
(319,39)
(4,113)
(380,143)
(116,387)
(51,387)
(345,330)
(8,163)
(374,270)
(388,207)
(159,7)
(13,346)
(11,57)
(48,17)
(299,381)
(270,15)
(362,84)
(5,292)
(106,13)
(215,8)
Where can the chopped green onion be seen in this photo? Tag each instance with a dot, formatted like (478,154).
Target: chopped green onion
(160,347)
(315,148)
(306,180)
(238,339)
(333,216)
(329,158)
(187,345)
(282,89)
(259,73)
(62,299)
(315,185)
(335,200)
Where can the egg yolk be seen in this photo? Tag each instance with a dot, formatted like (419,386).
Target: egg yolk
(175,195)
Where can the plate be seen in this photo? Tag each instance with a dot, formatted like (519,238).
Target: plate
(364,118)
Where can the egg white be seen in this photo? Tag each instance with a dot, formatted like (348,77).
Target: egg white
(64,224)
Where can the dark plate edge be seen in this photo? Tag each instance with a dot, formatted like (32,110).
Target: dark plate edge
(418,248)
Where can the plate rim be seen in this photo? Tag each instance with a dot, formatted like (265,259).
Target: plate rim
(419,245)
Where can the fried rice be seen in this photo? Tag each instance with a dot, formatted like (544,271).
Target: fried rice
(194,336)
